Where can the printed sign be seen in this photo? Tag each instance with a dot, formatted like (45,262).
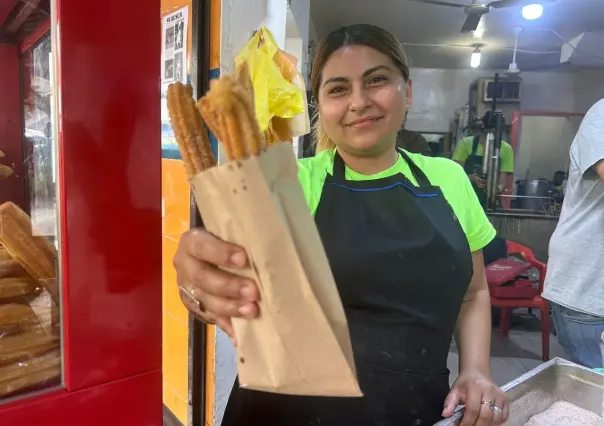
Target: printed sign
(174,46)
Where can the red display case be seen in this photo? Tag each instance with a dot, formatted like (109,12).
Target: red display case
(105,68)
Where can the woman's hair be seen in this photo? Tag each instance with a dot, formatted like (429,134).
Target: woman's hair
(360,34)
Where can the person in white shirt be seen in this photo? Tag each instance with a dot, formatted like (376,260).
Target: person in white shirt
(575,279)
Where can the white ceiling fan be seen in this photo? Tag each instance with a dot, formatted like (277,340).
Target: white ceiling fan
(477,9)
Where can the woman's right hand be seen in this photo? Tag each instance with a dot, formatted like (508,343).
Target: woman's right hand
(210,293)
(481,183)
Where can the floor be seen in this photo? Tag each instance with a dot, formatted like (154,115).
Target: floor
(513,356)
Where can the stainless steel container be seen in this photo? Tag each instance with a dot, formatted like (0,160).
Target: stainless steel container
(555,380)
(535,195)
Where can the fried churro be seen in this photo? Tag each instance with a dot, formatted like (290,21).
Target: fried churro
(31,372)
(191,135)
(227,110)
(35,254)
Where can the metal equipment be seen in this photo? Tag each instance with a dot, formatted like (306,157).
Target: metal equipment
(536,390)
(493,124)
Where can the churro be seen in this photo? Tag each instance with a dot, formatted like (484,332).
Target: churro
(228,109)
(17,286)
(35,254)
(191,135)
(11,268)
(19,347)
(33,372)
(15,316)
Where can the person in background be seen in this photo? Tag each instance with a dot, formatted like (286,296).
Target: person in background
(469,152)
(558,180)
(575,279)
(403,234)
(413,141)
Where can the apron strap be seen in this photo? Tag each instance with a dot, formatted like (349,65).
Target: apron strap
(339,168)
(418,174)
(475,143)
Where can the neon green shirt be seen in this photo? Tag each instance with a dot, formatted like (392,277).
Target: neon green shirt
(464,149)
(446,174)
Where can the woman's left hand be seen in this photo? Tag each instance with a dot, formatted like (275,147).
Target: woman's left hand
(486,404)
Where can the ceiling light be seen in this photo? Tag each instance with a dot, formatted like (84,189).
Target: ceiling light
(530,12)
(475,59)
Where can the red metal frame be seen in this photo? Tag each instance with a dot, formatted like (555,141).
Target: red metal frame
(108,68)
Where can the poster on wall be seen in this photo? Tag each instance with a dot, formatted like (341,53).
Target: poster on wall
(174,46)
(173,68)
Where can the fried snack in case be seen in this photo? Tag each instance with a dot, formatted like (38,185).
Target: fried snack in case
(11,287)
(27,374)
(35,254)
(11,268)
(300,343)
(29,316)
(16,317)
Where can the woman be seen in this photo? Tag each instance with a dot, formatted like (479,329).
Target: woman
(403,233)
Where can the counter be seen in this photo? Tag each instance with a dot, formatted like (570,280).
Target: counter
(532,230)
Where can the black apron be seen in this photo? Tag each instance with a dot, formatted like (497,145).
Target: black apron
(472,166)
(402,265)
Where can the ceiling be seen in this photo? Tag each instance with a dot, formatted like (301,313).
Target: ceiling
(439,26)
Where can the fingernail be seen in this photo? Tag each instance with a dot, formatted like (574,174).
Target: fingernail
(237,259)
(247,291)
(246,310)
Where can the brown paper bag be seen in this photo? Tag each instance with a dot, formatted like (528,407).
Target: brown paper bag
(300,343)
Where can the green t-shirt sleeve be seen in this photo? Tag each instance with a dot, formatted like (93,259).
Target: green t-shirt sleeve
(462,150)
(507,158)
(474,221)
(312,172)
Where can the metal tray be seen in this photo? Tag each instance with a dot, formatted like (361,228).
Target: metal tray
(555,380)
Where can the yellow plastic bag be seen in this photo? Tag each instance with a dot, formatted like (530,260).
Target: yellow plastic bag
(274,95)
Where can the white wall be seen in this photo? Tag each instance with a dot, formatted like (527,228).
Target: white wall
(437,93)
(239,19)
(300,10)
(589,89)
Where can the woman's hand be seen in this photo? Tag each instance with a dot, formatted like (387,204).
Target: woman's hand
(486,404)
(210,293)
(479,182)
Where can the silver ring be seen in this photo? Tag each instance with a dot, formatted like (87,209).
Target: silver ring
(492,406)
(190,295)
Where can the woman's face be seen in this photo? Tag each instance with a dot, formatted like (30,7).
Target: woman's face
(362,100)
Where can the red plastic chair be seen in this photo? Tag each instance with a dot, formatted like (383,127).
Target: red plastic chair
(537,302)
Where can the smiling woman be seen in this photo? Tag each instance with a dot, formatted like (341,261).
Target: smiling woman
(404,235)
(382,69)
